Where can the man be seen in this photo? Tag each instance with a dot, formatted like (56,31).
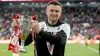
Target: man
(50,36)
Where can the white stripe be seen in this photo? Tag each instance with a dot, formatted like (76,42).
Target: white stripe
(92,49)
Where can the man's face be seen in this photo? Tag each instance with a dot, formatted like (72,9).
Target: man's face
(53,12)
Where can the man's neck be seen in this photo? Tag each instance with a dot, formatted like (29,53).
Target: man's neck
(52,22)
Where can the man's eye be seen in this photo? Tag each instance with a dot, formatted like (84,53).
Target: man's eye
(51,10)
(57,11)
(54,11)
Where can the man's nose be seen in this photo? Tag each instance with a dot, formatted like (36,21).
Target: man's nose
(54,13)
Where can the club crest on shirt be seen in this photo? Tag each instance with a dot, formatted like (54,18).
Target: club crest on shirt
(54,33)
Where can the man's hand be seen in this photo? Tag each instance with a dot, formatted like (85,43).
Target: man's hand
(14,22)
(35,26)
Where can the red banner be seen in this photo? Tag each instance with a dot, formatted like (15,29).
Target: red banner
(16,0)
(14,46)
(15,36)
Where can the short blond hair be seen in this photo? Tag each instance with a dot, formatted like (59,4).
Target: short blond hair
(54,3)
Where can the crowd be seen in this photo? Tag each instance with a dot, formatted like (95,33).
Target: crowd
(84,20)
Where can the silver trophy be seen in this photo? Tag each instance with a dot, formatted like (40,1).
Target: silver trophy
(25,30)
(25,24)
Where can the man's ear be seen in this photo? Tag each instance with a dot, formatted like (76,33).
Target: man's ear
(45,11)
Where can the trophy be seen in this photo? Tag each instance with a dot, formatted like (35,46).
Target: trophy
(25,24)
(25,30)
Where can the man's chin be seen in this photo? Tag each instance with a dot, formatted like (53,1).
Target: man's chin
(54,20)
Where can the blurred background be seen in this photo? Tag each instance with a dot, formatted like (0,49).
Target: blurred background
(82,15)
